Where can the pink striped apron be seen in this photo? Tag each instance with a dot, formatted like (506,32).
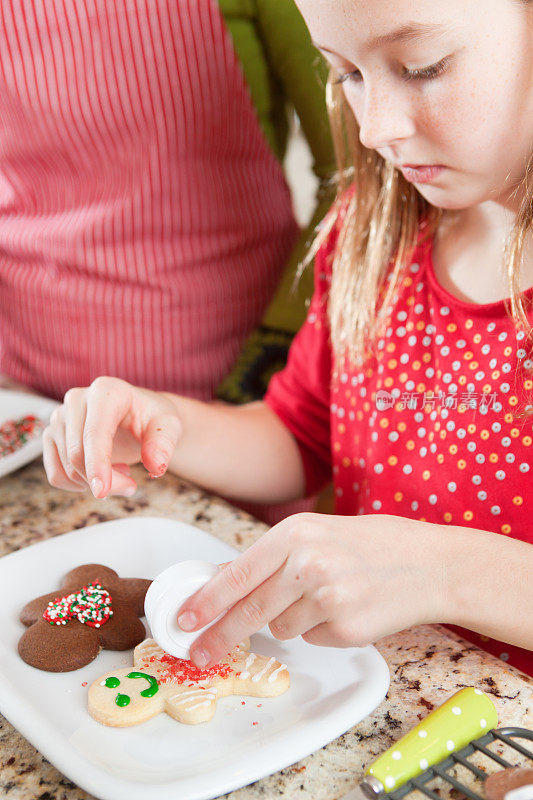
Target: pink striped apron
(144,222)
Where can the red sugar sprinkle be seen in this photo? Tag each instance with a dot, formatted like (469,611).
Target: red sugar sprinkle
(179,670)
(84,683)
(15,433)
(260,705)
(243,703)
(255,723)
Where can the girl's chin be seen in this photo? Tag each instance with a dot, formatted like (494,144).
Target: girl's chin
(447,199)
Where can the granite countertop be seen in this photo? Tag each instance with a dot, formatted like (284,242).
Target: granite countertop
(427,664)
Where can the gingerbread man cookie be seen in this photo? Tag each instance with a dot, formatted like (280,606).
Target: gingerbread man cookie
(93,609)
(160,682)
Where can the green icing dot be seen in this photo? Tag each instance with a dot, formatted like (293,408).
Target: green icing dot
(122,700)
(112,683)
(153,686)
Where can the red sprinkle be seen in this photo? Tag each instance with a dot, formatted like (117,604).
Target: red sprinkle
(15,433)
(84,683)
(179,670)
(255,723)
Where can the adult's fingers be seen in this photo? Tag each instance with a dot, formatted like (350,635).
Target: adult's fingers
(248,616)
(54,468)
(108,402)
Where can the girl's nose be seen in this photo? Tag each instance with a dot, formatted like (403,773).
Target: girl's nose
(385,120)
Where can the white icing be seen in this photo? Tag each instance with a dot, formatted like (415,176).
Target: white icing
(274,675)
(183,697)
(259,675)
(522,793)
(199,705)
(249,661)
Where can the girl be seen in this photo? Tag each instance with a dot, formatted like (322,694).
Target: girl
(410,380)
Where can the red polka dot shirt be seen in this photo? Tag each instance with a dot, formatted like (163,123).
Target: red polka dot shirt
(428,427)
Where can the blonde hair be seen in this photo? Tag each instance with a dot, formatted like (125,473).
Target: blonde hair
(379,225)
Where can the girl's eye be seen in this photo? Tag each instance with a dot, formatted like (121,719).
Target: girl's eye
(427,73)
(424,73)
(354,75)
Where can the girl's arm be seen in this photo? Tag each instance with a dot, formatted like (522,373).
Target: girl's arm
(243,451)
(490,585)
(349,581)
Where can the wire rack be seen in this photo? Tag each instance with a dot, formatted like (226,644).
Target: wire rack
(443,768)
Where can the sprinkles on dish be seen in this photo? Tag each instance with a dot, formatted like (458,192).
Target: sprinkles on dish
(15,433)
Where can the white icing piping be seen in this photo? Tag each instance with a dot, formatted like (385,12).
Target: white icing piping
(183,697)
(259,675)
(199,705)
(274,675)
(249,661)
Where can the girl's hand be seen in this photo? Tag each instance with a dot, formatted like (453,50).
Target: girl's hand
(336,581)
(102,429)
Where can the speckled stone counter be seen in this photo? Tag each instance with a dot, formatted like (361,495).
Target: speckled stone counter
(427,664)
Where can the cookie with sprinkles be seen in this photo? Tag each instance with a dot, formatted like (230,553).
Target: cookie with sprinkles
(160,682)
(93,609)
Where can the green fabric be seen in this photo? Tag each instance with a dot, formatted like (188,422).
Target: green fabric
(283,70)
(241,18)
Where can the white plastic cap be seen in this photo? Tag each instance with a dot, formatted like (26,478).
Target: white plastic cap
(164,598)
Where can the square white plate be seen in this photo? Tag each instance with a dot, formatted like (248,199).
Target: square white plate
(14,405)
(331,690)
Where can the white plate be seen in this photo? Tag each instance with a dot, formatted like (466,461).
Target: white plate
(14,405)
(331,690)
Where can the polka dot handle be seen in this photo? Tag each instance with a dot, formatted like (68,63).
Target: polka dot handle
(468,714)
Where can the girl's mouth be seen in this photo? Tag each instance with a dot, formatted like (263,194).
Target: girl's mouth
(421,173)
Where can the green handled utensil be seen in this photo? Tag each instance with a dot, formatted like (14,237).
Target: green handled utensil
(464,716)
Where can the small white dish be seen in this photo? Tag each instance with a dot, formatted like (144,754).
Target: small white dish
(164,599)
(331,690)
(14,405)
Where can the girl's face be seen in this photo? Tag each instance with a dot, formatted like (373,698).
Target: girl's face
(443,89)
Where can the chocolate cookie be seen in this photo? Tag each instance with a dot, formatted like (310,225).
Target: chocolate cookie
(501,783)
(92,610)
